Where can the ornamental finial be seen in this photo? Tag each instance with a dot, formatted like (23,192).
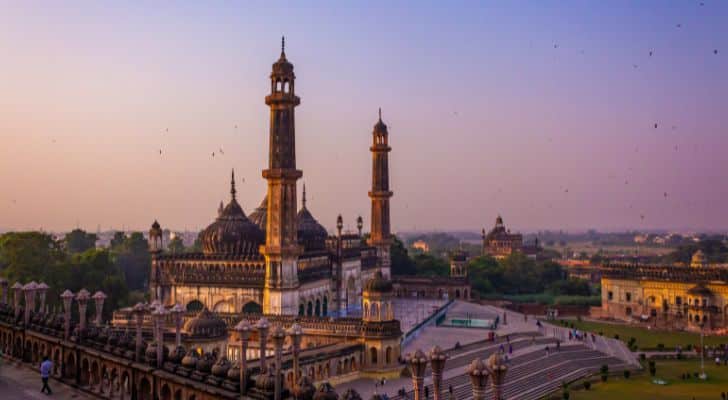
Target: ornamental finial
(232,185)
(304,195)
(283,45)
(380,114)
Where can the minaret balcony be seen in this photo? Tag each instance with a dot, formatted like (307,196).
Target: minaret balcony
(282,98)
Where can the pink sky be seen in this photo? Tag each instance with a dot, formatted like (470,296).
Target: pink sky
(497,108)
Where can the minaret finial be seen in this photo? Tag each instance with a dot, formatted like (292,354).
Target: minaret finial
(232,185)
(380,114)
(304,195)
(283,45)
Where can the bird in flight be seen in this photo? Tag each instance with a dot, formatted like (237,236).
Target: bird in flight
(650,53)
(655,125)
(715,51)
(222,152)
(213,154)
(160,152)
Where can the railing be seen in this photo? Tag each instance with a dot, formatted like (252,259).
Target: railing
(415,331)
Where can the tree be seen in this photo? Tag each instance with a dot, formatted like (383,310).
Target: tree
(402,264)
(78,241)
(652,367)
(26,256)
(118,239)
(134,260)
(176,245)
(428,265)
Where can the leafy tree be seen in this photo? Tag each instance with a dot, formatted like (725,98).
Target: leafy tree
(118,240)
(78,241)
(402,264)
(134,260)
(175,245)
(429,265)
(26,256)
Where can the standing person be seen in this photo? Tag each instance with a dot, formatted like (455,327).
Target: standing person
(45,372)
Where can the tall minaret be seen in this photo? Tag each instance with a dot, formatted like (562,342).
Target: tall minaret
(281,248)
(381,237)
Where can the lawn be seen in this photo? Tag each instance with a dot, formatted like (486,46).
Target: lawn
(647,339)
(641,387)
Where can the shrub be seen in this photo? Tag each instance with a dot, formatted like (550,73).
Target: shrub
(626,374)
(652,367)
(642,356)
(660,346)
(587,385)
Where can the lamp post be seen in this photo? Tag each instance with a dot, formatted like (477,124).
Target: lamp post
(42,291)
(67,297)
(243,328)
(29,292)
(177,312)
(279,336)
(296,334)
(498,371)
(478,373)
(437,361)
(417,365)
(99,298)
(138,310)
(158,314)
(263,327)
(17,288)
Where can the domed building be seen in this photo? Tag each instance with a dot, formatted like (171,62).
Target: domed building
(280,259)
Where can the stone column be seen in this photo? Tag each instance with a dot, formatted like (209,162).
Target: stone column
(42,291)
(82,298)
(243,328)
(177,311)
(139,311)
(437,362)
(296,333)
(417,365)
(279,337)
(4,287)
(498,371)
(263,327)
(67,297)
(478,373)
(99,298)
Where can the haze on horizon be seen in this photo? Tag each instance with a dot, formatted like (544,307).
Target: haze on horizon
(542,112)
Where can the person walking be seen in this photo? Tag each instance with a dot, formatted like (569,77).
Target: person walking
(45,373)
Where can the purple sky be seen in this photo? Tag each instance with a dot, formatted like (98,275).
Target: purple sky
(492,108)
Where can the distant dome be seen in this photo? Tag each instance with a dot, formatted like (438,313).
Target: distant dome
(378,284)
(698,259)
(206,325)
(311,234)
(232,233)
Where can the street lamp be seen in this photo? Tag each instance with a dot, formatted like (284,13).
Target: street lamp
(82,298)
(42,290)
(99,298)
(296,333)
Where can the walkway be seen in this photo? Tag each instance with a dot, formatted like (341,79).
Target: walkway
(20,383)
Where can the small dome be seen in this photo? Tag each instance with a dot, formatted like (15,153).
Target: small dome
(177,354)
(190,360)
(234,372)
(260,215)
(378,284)
(305,389)
(206,325)
(311,234)
(326,392)
(204,364)
(701,291)
(221,367)
(266,382)
(698,259)
(232,233)
(351,394)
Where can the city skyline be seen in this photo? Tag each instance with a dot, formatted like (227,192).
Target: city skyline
(622,125)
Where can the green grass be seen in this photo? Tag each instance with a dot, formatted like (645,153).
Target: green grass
(648,339)
(641,387)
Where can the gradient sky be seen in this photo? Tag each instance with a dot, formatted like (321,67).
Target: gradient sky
(493,107)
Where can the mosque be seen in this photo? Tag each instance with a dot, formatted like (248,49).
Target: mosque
(279,259)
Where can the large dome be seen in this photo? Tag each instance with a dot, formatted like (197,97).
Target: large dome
(232,233)
(206,325)
(311,234)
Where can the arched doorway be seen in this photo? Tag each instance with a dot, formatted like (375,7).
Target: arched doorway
(252,307)
(224,307)
(318,308)
(165,393)
(325,306)
(195,306)
(145,389)
(301,310)
(309,308)
(373,355)
(352,297)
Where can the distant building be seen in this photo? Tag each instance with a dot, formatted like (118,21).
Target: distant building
(422,246)
(691,297)
(500,242)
